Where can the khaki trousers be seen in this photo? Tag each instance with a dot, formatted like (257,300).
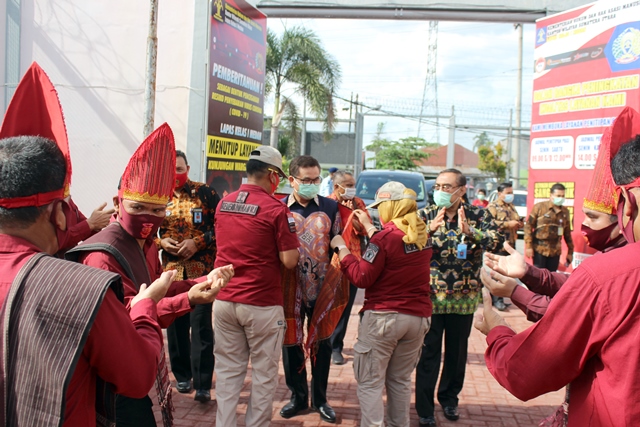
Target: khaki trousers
(386,353)
(244,332)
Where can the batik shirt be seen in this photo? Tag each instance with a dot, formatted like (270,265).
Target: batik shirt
(316,224)
(502,213)
(455,283)
(190,215)
(545,228)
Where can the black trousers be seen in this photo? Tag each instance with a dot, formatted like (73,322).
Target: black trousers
(134,412)
(550,263)
(337,338)
(456,329)
(191,355)
(295,371)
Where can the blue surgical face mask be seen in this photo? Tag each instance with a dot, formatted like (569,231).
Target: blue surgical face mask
(508,198)
(308,191)
(558,201)
(442,199)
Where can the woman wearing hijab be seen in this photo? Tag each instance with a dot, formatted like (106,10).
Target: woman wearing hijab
(394,271)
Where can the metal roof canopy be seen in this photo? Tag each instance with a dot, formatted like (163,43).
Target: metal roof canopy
(511,11)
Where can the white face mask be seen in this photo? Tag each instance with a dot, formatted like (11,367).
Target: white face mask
(349,193)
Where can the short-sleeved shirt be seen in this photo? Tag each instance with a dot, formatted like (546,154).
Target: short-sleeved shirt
(252,227)
(395,275)
(317,223)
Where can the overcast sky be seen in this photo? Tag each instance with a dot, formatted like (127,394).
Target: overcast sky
(385,63)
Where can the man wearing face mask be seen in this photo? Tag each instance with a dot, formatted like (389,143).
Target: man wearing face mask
(587,334)
(459,234)
(257,234)
(548,223)
(344,192)
(127,247)
(188,246)
(317,221)
(508,221)
(64,326)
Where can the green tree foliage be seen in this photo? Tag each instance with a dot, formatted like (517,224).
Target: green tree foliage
(490,160)
(481,140)
(397,155)
(296,57)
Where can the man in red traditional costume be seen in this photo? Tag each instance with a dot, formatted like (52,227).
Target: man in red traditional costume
(127,247)
(35,110)
(63,324)
(600,229)
(588,335)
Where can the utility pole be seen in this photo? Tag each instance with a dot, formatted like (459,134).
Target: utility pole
(515,151)
(430,92)
(451,148)
(150,80)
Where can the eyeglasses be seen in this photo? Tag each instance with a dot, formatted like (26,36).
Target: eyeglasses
(308,181)
(445,187)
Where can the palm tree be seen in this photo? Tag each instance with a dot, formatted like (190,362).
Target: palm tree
(297,57)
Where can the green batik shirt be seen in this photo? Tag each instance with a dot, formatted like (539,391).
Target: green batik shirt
(455,281)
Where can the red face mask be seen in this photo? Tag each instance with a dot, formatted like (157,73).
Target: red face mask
(72,215)
(274,187)
(598,239)
(181,179)
(141,226)
(627,231)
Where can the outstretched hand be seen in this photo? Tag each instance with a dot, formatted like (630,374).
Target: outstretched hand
(157,290)
(488,319)
(512,265)
(498,285)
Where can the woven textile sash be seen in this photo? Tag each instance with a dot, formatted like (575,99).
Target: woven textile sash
(331,301)
(125,249)
(45,320)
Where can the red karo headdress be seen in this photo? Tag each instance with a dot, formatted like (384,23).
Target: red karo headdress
(602,195)
(150,174)
(35,110)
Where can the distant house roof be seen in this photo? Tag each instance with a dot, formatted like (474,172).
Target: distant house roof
(463,157)
(465,160)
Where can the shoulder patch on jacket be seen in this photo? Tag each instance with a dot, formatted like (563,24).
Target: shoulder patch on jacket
(410,248)
(371,253)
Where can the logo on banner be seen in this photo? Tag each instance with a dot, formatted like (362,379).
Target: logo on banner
(623,49)
(218,7)
(541,36)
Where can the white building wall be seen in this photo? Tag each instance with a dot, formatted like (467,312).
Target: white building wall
(95,54)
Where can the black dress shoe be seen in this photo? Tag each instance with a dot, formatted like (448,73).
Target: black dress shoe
(451,413)
(337,358)
(184,387)
(291,409)
(202,396)
(500,305)
(326,413)
(428,422)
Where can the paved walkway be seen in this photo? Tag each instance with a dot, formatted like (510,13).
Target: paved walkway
(483,402)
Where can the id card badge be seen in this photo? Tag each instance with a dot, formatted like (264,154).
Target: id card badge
(461,252)
(560,231)
(197,216)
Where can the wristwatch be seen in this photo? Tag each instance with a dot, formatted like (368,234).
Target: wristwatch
(338,248)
